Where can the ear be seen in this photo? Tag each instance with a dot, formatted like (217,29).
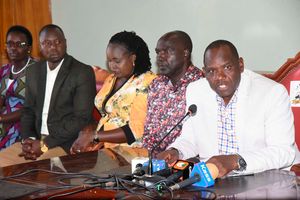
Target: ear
(186,53)
(241,64)
(29,49)
(203,70)
(133,58)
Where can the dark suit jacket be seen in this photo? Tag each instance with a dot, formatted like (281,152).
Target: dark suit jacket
(71,103)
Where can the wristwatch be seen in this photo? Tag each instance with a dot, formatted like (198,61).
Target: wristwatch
(242,165)
(44,147)
(96,139)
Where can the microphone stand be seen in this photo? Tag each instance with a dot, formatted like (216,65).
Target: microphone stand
(150,167)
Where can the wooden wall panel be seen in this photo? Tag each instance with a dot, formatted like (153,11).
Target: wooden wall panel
(33,14)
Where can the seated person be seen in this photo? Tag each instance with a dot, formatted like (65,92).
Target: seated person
(59,97)
(12,85)
(244,121)
(166,97)
(123,98)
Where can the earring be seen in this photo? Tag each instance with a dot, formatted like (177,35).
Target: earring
(28,51)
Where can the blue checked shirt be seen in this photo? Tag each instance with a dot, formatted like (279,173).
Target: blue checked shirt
(227,140)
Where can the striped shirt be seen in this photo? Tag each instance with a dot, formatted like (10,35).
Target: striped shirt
(227,140)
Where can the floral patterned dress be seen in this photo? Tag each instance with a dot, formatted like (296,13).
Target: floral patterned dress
(13,93)
(127,106)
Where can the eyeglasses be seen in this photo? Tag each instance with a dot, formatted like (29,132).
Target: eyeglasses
(18,44)
(49,43)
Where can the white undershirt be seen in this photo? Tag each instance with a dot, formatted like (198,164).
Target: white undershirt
(50,80)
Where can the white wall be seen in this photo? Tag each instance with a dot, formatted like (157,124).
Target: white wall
(265,32)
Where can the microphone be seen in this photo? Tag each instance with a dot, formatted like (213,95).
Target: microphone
(139,170)
(202,175)
(191,112)
(181,168)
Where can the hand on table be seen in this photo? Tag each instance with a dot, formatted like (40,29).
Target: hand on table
(31,149)
(225,163)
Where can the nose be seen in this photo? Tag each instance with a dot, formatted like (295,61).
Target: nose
(220,75)
(161,55)
(111,65)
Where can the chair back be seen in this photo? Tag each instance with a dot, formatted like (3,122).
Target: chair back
(100,76)
(289,76)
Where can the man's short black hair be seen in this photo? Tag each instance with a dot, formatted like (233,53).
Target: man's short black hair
(220,43)
(51,26)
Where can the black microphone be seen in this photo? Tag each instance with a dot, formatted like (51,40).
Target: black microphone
(191,112)
(139,171)
(186,182)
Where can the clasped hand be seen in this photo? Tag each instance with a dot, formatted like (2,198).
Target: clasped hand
(31,149)
(85,140)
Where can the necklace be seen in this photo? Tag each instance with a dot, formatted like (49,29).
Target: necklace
(18,72)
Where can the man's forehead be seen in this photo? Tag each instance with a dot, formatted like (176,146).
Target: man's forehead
(167,42)
(52,33)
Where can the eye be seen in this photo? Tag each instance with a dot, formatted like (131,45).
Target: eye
(228,67)
(171,51)
(57,42)
(46,43)
(209,72)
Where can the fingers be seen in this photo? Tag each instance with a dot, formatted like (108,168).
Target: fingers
(21,154)
(75,150)
(172,160)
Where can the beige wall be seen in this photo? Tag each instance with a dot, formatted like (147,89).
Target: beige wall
(266,32)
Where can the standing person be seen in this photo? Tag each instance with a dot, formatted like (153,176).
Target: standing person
(12,85)
(166,99)
(122,101)
(58,102)
(245,122)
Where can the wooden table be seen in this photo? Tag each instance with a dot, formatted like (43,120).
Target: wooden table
(45,178)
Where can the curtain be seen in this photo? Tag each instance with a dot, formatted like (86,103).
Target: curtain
(33,14)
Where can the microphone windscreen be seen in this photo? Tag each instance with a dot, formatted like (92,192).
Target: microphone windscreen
(193,109)
(213,169)
(208,174)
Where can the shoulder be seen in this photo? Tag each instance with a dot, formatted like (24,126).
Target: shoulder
(201,84)
(77,65)
(5,69)
(35,65)
(193,73)
(147,77)
(143,80)
(260,84)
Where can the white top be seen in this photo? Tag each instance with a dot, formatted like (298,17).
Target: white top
(50,80)
(264,123)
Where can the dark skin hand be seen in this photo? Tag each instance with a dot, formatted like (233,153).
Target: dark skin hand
(225,163)
(31,149)
(84,142)
(170,156)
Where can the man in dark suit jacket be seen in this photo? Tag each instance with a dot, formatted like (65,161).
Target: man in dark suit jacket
(59,100)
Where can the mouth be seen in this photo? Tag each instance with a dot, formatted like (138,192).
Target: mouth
(115,72)
(12,54)
(222,87)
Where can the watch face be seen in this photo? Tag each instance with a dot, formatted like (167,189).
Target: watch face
(242,163)
(44,149)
